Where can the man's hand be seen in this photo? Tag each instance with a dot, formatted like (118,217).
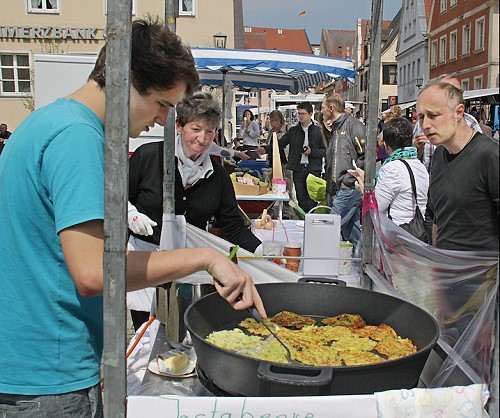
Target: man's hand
(232,282)
(242,155)
(260,150)
(419,141)
(139,223)
(360,179)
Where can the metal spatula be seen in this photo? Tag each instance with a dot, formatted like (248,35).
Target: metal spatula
(256,315)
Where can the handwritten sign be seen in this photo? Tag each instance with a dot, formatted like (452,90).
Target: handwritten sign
(355,406)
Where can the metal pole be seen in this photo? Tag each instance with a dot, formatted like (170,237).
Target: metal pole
(171,12)
(371,127)
(223,118)
(118,48)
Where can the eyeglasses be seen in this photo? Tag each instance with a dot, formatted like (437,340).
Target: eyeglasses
(303,113)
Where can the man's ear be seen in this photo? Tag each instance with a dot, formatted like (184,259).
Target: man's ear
(460,110)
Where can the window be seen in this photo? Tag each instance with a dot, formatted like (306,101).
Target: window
(348,52)
(479,38)
(434,52)
(453,3)
(478,82)
(43,6)
(253,95)
(389,75)
(453,45)
(465,84)
(442,49)
(187,8)
(442,5)
(466,39)
(15,74)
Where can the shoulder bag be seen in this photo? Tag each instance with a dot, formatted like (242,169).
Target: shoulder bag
(416,226)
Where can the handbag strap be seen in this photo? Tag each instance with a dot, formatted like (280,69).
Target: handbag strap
(413,188)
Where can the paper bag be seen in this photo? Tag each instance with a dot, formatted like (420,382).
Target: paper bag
(277,170)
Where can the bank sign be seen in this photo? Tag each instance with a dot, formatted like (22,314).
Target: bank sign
(48,32)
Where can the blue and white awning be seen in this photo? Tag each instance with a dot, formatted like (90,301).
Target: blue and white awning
(268,70)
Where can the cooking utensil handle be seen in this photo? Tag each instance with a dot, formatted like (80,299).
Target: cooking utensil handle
(322,280)
(311,376)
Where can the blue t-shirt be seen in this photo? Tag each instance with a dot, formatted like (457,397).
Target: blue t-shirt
(51,178)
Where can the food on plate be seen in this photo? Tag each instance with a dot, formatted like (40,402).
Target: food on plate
(349,344)
(292,320)
(174,364)
(348,320)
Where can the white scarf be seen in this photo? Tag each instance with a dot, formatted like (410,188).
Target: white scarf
(192,171)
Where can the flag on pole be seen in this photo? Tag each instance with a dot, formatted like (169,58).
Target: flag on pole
(302,13)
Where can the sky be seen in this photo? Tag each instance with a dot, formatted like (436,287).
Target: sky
(320,14)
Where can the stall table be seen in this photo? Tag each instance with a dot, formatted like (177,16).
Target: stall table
(266,197)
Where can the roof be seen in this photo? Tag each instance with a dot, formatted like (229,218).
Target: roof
(338,38)
(288,40)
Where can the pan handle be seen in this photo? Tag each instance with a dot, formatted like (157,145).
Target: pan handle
(286,375)
(322,280)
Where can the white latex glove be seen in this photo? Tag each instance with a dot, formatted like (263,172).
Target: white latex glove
(139,223)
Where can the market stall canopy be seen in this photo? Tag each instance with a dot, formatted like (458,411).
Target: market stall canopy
(268,70)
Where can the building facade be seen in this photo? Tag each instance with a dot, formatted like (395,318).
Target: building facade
(463,39)
(412,50)
(59,26)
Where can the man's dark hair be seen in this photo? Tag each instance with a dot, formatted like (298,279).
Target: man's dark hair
(159,60)
(307,106)
(398,133)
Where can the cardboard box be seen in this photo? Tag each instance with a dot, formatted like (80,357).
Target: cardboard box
(247,189)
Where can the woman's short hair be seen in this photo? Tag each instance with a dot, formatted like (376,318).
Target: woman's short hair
(398,133)
(159,60)
(201,105)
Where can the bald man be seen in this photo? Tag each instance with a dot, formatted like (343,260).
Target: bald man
(464,190)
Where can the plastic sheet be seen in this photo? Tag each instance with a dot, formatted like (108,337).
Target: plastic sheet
(459,288)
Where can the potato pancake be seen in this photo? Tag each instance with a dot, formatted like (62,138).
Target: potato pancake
(348,320)
(318,355)
(354,344)
(377,333)
(234,340)
(254,327)
(395,348)
(343,340)
(292,320)
(357,358)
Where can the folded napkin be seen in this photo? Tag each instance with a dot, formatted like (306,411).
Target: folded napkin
(452,402)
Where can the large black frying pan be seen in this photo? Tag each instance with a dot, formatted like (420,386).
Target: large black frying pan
(241,375)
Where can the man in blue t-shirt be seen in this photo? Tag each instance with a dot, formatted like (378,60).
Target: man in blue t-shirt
(52,237)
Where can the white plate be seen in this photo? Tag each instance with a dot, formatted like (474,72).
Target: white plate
(188,371)
(300,224)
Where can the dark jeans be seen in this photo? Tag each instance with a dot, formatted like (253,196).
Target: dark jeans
(299,181)
(85,403)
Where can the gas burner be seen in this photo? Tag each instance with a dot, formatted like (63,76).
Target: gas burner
(210,386)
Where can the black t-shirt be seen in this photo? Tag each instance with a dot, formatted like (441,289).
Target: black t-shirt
(464,196)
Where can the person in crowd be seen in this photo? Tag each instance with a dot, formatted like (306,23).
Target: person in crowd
(425,148)
(359,116)
(480,117)
(345,146)
(203,189)
(306,151)
(4,132)
(382,153)
(249,131)
(52,239)
(464,185)
(393,190)
(349,108)
(4,135)
(277,121)
(396,111)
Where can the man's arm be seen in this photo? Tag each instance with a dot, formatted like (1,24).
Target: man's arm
(83,248)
